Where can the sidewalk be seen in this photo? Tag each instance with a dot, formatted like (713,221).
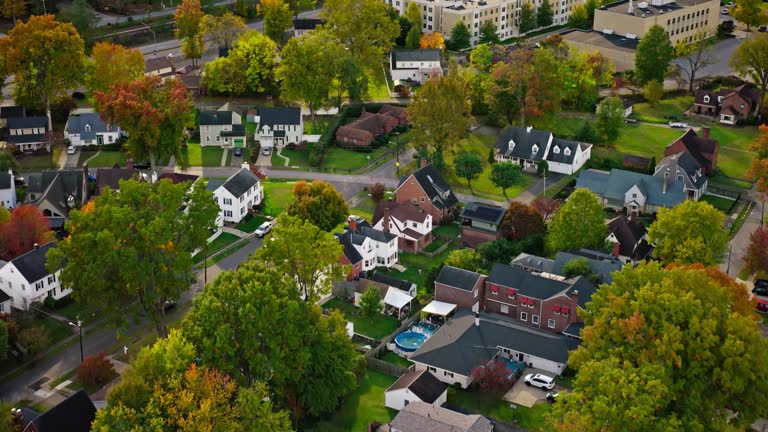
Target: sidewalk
(107,19)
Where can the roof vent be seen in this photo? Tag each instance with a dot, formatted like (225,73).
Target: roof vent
(529,129)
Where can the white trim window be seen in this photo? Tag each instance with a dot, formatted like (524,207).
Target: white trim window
(504,309)
(534,319)
(551,323)
(523,316)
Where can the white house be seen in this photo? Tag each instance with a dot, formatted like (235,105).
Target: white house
(416,386)
(5,299)
(412,225)
(238,194)
(26,279)
(27,133)
(528,147)
(415,64)
(222,128)
(7,190)
(279,126)
(377,248)
(88,128)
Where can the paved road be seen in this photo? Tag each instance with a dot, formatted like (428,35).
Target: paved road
(106,18)
(740,242)
(721,55)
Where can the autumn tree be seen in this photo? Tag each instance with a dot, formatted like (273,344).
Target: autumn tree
(751,60)
(749,12)
(377,192)
(154,113)
(654,52)
(432,40)
(697,55)
(481,58)
(14,9)
(521,221)
(758,170)
(112,63)
(492,377)
(545,15)
(468,166)
(504,175)
(277,19)
(666,349)
(82,16)
(47,58)
(602,69)
(96,370)
(546,206)
(610,118)
(527,18)
(188,19)
(25,228)
(135,244)
(467,259)
(756,256)
(691,232)
(577,224)
(370,302)
(488,33)
(222,30)
(460,36)
(579,18)
(319,203)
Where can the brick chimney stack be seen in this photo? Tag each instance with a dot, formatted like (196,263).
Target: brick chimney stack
(705,132)
(666,183)
(423,163)
(352,222)
(386,219)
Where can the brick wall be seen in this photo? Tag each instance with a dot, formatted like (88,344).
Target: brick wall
(544,310)
(411,192)
(355,269)
(472,237)
(462,298)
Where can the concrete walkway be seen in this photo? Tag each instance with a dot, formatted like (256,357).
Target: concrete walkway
(92,157)
(224,157)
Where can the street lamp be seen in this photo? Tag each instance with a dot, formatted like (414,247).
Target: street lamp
(397,152)
(154,36)
(79,326)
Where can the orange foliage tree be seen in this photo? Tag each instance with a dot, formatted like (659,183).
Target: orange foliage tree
(25,228)
(112,63)
(432,40)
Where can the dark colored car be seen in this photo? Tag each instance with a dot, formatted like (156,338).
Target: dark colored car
(552,397)
(18,181)
(762,283)
(762,306)
(141,165)
(238,151)
(169,304)
(760,291)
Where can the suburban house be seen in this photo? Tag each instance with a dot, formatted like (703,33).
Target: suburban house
(55,193)
(416,386)
(110,177)
(73,414)
(424,417)
(630,239)
(415,64)
(5,299)
(601,265)
(636,192)
(396,294)
(26,279)
(684,167)
(7,190)
(461,287)
(222,128)
(480,223)
(302,26)
(374,247)
(87,128)
(238,194)
(708,102)
(9,111)
(427,189)
(528,147)
(279,126)
(470,340)
(191,77)
(27,133)
(161,66)
(702,148)
(368,127)
(393,282)
(732,105)
(411,224)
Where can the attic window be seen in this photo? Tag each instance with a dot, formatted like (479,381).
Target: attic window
(556,150)
(567,152)
(706,98)
(535,148)
(511,144)
(87,128)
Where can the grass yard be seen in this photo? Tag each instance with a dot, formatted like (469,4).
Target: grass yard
(395,359)
(277,160)
(57,330)
(107,158)
(720,179)
(250,128)
(365,208)
(197,155)
(363,406)
(413,263)
(298,157)
(447,230)
(277,196)
(491,405)
(316,127)
(223,240)
(646,140)
(666,107)
(251,224)
(564,125)
(734,157)
(84,155)
(377,86)
(36,162)
(376,327)
(722,204)
(349,160)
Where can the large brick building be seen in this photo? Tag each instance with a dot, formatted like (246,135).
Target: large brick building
(703,148)
(461,287)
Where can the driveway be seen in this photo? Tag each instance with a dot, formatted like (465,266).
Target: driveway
(527,396)
(739,243)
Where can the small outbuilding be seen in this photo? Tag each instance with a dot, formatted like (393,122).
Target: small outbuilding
(416,386)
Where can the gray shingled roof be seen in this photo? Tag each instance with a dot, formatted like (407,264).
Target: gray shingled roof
(434,185)
(76,124)
(279,116)
(615,184)
(458,278)
(416,55)
(215,118)
(527,283)
(524,139)
(349,249)
(307,23)
(424,417)
(27,122)
(682,163)
(31,265)
(5,180)
(74,414)
(391,281)
(561,145)
(603,265)
(240,182)
(483,212)
(422,383)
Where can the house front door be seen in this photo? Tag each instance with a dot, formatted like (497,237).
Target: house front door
(99,140)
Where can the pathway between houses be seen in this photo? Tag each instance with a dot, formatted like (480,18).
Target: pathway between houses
(92,157)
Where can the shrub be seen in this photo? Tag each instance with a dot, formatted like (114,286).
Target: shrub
(34,339)
(377,192)
(49,302)
(370,302)
(492,377)
(96,370)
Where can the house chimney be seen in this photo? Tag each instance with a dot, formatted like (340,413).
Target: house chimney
(616,247)
(666,183)
(352,222)
(423,163)
(575,296)
(386,219)
(86,183)
(705,132)
(36,246)
(129,163)
(246,166)
(477,319)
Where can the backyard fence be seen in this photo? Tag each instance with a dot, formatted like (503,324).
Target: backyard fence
(387,367)
(725,190)
(372,356)
(438,251)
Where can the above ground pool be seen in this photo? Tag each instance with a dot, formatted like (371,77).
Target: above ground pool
(410,341)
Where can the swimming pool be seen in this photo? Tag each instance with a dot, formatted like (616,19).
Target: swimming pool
(410,341)
(424,328)
(513,366)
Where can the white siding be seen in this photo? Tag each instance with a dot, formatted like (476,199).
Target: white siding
(396,399)
(23,293)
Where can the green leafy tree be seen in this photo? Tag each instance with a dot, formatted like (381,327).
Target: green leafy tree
(82,16)
(587,133)
(277,19)
(488,33)
(610,118)
(460,36)
(307,254)
(498,251)
(222,30)
(188,19)
(505,175)
(577,267)
(521,221)
(319,203)
(654,52)
(258,53)
(542,168)
(602,70)
(667,349)
(14,9)
(577,224)
(370,302)
(579,18)
(691,232)
(653,92)
(226,76)
(350,79)
(468,166)
(527,18)
(413,38)
(135,244)
(8,161)
(34,339)
(697,55)
(751,60)
(467,259)
(481,57)
(413,13)
(749,12)
(545,15)
(590,6)
(405,26)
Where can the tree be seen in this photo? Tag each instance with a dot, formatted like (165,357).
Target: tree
(135,244)
(96,370)
(258,53)
(654,332)
(34,339)
(468,166)
(590,6)
(8,161)
(488,33)
(277,19)
(751,60)
(309,255)
(405,27)
(492,377)
(602,69)
(188,18)
(481,57)
(14,8)
(749,12)
(370,302)
(439,114)
(364,27)
(377,192)
(413,13)
(697,55)
(542,168)
(545,15)
(527,18)
(351,78)
(521,221)
(579,18)
(226,75)
(505,175)
(499,251)
(576,267)
(577,224)
(466,259)
(222,30)
(4,343)
(154,113)
(319,203)
(654,52)
(756,256)
(432,40)
(691,232)
(587,133)
(82,16)
(460,36)
(413,38)
(610,118)
(25,228)
(758,170)
(112,63)
(546,206)
(653,92)
(47,57)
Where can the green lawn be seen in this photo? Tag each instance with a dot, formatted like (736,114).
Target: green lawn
(377,86)
(492,405)
(734,157)
(722,204)
(376,327)
(363,406)
(250,225)
(57,330)
(666,107)
(317,126)
(396,359)
(564,125)
(447,230)
(107,158)
(37,162)
(298,157)
(84,155)
(728,181)
(413,263)
(197,155)
(250,128)
(277,196)
(277,160)
(223,240)
(349,160)
(646,140)
(365,208)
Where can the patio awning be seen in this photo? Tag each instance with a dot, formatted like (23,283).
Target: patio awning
(438,308)
(397,298)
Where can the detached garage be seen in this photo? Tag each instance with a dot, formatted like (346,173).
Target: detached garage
(418,386)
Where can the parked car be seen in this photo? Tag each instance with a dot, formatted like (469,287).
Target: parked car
(18,181)
(762,305)
(71,149)
(760,291)
(264,228)
(141,165)
(238,151)
(169,304)
(762,29)
(631,121)
(724,11)
(539,380)
(678,125)
(761,283)
(266,151)
(552,397)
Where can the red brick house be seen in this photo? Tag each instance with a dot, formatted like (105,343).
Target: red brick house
(461,287)
(702,148)
(396,112)
(732,105)
(366,128)
(427,189)
(410,223)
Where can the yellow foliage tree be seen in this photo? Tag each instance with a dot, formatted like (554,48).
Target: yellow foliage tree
(432,40)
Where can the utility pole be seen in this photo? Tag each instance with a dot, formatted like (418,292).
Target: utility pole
(79,326)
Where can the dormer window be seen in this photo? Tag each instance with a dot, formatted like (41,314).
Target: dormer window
(567,152)
(556,150)
(511,145)
(706,98)
(535,148)
(87,128)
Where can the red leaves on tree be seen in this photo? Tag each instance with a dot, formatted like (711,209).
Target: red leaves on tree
(493,377)
(545,206)
(25,227)
(96,370)
(521,221)
(756,257)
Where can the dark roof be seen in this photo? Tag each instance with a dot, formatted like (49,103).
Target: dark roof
(213,184)
(240,182)
(626,102)
(557,152)
(76,123)
(459,346)
(74,414)
(713,95)
(686,163)
(269,116)
(56,187)
(349,249)
(391,281)
(215,118)
(27,122)
(156,63)
(703,149)
(601,264)
(435,186)
(111,177)
(6,180)
(307,23)
(614,186)
(177,178)
(238,130)
(421,383)
(628,233)
(582,287)
(524,139)
(483,212)
(458,278)
(423,417)
(374,234)
(4,297)
(401,211)
(415,55)
(12,111)
(574,329)
(278,134)
(527,284)
(31,265)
